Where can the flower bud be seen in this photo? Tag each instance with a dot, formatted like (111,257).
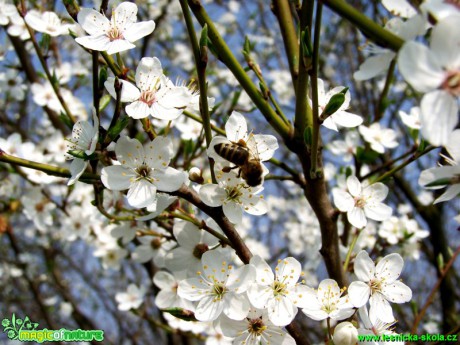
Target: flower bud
(195,175)
(345,334)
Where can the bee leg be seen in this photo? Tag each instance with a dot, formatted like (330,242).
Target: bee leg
(228,169)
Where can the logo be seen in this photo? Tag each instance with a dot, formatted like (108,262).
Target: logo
(26,330)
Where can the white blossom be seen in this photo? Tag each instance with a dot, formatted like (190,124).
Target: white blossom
(219,287)
(114,35)
(154,94)
(435,71)
(379,285)
(362,203)
(143,170)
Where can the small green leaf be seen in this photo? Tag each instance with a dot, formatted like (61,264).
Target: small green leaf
(180,313)
(102,77)
(117,128)
(104,102)
(64,118)
(333,105)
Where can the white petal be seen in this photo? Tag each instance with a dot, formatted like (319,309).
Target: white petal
(175,97)
(397,292)
(266,146)
(93,22)
(138,110)
(77,168)
(125,13)
(192,289)
(160,112)
(288,271)
(99,43)
(236,127)
(209,309)
(354,186)
(419,67)
(236,306)
(169,180)
(129,92)
(159,152)
(343,200)
(259,295)
(212,195)
(439,116)
(376,191)
(118,46)
(187,234)
(364,267)
(357,217)
(374,66)
(389,268)
(141,193)
(233,212)
(240,280)
(117,177)
(380,308)
(450,193)
(139,30)
(164,280)
(148,73)
(445,42)
(264,274)
(453,145)
(130,152)
(378,211)
(256,207)
(359,293)
(346,119)
(281,311)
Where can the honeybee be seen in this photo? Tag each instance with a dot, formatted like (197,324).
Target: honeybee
(247,161)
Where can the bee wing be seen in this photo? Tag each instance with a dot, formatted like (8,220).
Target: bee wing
(265,146)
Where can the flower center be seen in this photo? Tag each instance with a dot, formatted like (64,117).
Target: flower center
(375,285)
(219,290)
(234,193)
(256,326)
(360,202)
(279,288)
(114,34)
(452,83)
(199,250)
(143,172)
(148,97)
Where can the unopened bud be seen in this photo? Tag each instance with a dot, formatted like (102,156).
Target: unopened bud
(345,334)
(195,175)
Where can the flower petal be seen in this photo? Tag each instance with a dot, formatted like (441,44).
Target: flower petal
(93,22)
(212,195)
(169,180)
(117,177)
(439,116)
(419,67)
(397,292)
(236,127)
(359,293)
(364,267)
(233,212)
(389,268)
(129,152)
(139,30)
(141,193)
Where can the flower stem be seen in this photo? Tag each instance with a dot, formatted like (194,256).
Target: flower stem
(368,27)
